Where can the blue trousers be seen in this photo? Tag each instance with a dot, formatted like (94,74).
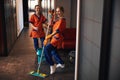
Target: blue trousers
(36,43)
(50,51)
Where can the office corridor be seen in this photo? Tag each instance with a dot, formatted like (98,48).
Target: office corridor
(22,60)
(97,39)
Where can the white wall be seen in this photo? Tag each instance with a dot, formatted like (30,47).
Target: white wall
(19,11)
(32,3)
(67,9)
(46,6)
(52,4)
(90,39)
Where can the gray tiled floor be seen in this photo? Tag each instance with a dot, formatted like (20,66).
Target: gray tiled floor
(22,60)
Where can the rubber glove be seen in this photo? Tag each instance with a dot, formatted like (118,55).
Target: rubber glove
(45,42)
(48,36)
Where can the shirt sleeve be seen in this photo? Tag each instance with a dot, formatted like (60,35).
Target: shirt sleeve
(32,20)
(61,26)
(44,19)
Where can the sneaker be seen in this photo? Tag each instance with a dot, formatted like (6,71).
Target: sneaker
(52,69)
(60,65)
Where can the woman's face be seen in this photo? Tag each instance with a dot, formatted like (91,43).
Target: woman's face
(37,9)
(59,13)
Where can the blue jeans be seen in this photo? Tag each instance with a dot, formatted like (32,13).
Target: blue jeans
(50,51)
(36,44)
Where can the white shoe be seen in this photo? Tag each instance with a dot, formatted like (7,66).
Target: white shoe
(60,65)
(52,69)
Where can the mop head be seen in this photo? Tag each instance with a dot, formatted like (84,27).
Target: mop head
(42,75)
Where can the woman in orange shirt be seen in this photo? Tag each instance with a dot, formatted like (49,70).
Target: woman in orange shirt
(37,20)
(56,37)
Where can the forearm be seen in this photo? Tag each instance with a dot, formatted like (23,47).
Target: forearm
(45,25)
(53,33)
(50,35)
(33,27)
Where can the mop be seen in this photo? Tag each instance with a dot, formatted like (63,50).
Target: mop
(38,74)
(39,55)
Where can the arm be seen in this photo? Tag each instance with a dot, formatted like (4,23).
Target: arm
(50,35)
(45,25)
(32,26)
(60,27)
(44,22)
(31,21)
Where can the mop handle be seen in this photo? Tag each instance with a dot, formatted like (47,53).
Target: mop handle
(42,52)
(40,60)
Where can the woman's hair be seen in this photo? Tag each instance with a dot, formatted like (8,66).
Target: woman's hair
(37,5)
(61,8)
(53,11)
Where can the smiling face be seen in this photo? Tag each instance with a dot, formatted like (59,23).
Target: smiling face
(37,9)
(59,12)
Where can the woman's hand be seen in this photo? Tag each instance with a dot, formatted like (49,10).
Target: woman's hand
(48,36)
(45,42)
(35,28)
